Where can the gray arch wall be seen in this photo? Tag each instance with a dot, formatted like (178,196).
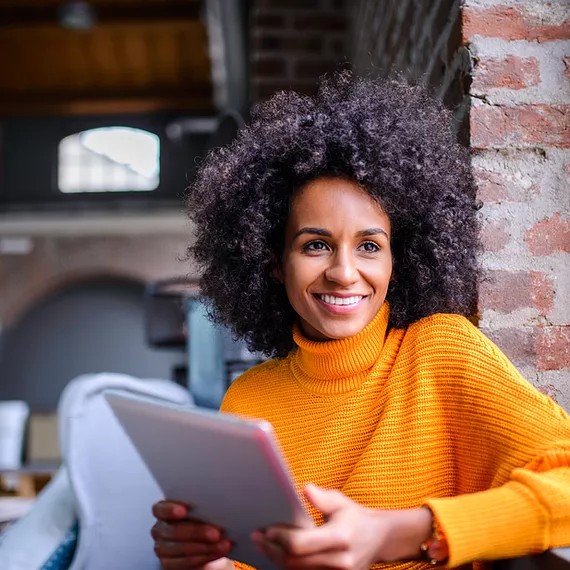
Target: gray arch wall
(97,326)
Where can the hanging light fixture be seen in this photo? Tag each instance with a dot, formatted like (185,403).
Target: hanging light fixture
(77,16)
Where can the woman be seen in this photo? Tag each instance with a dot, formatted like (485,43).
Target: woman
(338,235)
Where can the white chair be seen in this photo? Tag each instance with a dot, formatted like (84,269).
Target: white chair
(103,484)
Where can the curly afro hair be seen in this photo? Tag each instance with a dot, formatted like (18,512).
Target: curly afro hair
(389,137)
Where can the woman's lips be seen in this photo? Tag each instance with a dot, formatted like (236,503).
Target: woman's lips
(340,304)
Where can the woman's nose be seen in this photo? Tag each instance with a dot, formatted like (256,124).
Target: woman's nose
(343,269)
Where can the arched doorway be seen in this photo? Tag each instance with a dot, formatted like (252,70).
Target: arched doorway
(92,326)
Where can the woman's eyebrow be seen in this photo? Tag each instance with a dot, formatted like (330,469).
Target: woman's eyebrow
(314,231)
(371,232)
(327,233)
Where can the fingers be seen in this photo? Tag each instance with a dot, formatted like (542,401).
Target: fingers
(188,544)
(172,549)
(194,554)
(328,537)
(287,560)
(303,542)
(328,501)
(170,510)
(174,554)
(186,531)
(181,542)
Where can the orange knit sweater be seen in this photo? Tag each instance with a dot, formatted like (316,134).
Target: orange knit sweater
(433,414)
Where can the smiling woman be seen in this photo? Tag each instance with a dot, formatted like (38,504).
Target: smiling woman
(336,263)
(391,140)
(339,234)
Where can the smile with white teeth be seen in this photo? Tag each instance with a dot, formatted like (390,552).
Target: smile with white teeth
(331,300)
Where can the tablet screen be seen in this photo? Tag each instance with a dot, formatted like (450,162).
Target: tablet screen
(230,470)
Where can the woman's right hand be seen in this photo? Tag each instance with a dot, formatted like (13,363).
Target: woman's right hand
(181,543)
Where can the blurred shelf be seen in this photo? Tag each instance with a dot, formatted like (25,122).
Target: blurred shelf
(170,221)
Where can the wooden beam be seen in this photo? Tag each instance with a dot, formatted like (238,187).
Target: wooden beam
(40,106)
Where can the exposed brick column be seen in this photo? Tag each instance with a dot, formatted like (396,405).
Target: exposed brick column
(520,134)
(293,42)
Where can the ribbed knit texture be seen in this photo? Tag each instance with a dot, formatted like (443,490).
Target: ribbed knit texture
(431,414)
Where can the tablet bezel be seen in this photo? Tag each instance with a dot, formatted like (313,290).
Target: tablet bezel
(242,481)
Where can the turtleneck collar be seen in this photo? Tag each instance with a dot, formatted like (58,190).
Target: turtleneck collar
(336,366)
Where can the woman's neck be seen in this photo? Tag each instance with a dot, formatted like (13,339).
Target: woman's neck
(339,365)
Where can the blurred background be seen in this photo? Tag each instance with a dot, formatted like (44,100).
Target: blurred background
(106,108)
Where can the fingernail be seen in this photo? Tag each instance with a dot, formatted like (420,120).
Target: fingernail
(225,545)
(213,534)
(179,511)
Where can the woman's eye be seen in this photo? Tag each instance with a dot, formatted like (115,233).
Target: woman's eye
(369,247)
(315,246)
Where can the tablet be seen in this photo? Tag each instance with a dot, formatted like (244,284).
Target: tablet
(230,470)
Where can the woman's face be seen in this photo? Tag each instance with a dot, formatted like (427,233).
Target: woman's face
(337,262)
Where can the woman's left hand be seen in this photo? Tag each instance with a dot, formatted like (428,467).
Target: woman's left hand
(353,537)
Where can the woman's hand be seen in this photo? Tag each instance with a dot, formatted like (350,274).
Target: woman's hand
(353,537)
(182,543)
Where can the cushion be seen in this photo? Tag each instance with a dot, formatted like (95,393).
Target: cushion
(32,540)
(63,555)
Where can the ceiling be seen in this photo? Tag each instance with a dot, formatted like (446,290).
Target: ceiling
(132,56)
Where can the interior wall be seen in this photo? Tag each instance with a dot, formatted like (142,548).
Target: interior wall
(94,326)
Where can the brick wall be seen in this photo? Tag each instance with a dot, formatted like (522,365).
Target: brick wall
(521,139)
(504,67)
(293,42)
(58,261)
(422,41)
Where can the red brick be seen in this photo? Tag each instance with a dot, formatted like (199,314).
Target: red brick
(521,126)
(552,346)
(288,4)
(510,23)
(494,235)
(313,69)
(269,67)
(289,44)
(541,292)
(268,20)
(321,21)
(517,343)
(338,46)
(506,291)
(549,236)
(496,187)
(511,72)
(492,186)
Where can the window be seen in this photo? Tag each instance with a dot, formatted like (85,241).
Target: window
(78,162)
(109,159)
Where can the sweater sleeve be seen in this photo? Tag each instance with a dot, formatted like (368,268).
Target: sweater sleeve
(521,439)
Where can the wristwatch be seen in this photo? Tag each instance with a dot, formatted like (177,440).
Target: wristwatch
(435,549)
